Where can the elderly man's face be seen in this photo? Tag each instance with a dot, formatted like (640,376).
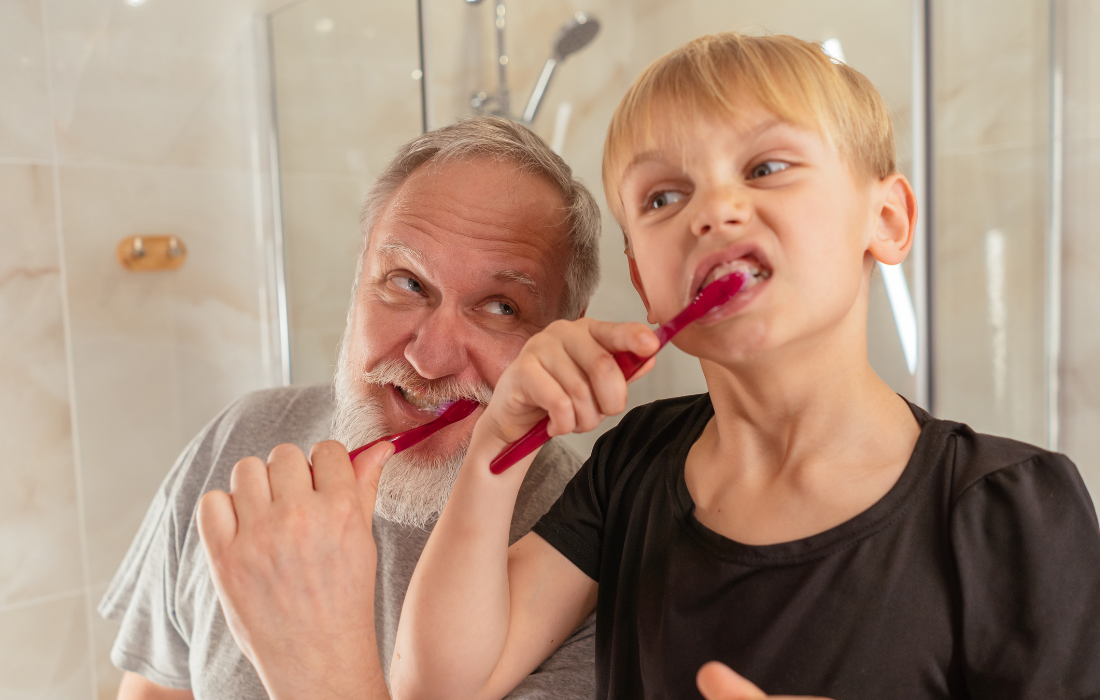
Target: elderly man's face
(465,264)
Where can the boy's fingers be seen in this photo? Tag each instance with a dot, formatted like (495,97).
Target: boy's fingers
(615,337)
(368,467)
(569,372)
(331,466)
(250,488)
(603,379)
(217,521)
(288,471)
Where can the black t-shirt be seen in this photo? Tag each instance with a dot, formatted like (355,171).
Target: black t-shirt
(976,576)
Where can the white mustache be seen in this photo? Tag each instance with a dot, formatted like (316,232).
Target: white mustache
(402,374)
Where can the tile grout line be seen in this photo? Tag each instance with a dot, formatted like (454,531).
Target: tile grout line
(66,317)
(42,600)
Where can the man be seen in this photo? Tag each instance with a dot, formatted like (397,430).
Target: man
(475,238)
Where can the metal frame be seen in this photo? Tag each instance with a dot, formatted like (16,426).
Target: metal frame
(1054,228)
(922,156)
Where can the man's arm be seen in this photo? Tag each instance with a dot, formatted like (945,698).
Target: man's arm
(293,561)
(137,687)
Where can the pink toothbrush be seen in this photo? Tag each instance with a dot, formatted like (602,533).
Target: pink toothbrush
(452,413)
(714,294)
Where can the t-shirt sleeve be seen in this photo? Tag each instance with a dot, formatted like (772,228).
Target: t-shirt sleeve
(574,524)
(1027,547)
(141,597)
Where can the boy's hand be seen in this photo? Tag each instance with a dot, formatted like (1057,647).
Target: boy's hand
(293,561)
(568,372)
(717,681)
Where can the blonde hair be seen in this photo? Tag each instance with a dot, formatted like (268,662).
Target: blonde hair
(717,74)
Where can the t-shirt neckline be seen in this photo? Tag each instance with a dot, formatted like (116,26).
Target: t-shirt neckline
(872,520)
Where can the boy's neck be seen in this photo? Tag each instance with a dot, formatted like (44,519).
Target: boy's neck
(809,435)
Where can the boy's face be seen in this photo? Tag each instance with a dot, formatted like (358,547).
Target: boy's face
(758,193)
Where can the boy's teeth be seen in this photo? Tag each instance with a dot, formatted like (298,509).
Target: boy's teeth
(755,272)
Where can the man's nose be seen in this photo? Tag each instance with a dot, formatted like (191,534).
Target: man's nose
(721,207)
(439,348)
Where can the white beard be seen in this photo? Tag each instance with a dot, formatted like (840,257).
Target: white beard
(413,487)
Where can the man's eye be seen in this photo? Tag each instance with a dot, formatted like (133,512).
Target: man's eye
(768,168)
(663,199)
(408,284)
(501,308)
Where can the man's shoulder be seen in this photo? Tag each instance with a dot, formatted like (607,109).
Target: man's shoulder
(552,469)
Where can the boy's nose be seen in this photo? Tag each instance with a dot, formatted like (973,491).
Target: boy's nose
(439,347)
(721,208)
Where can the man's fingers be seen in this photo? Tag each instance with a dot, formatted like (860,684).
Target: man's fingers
(288,472)
(331,466)
(217,521)
(717,681)
(368,466)
(250,488)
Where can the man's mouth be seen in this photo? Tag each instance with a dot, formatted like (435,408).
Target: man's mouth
(755,272)
(423,401)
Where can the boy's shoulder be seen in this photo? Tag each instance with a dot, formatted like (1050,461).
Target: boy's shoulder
(653,420)
(977,458)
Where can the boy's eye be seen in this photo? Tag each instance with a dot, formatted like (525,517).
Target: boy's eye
(408,284)
(663,199)
(768,168)
(501,308)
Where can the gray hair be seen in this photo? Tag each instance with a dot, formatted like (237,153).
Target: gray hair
(496,137)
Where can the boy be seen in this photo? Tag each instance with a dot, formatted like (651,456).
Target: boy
(800,523)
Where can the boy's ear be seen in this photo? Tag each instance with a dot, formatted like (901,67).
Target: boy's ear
(636,280)
(896,222)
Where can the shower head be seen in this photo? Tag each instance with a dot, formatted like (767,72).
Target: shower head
(575,34)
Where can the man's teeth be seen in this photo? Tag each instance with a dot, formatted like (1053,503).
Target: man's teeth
(752,268)
(421,402)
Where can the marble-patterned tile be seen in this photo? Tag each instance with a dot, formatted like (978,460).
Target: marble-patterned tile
(25,109)
(107,676)
(991,73)
(44,651)
(345,94)
(1082,69)
(156,354)
(39,536)
(989,292)
(1079,384)
(155,83)
(321,232)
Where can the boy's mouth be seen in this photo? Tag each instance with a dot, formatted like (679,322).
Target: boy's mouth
(749,264)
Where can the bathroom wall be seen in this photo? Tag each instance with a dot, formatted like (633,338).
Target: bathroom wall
(116,118)
(1079,376)
(991,208)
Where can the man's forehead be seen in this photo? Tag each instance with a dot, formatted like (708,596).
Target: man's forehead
(392,249)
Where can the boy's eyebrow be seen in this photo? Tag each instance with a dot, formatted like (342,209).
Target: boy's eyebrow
(655,154)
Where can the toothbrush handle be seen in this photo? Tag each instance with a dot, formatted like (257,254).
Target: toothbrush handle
(628,362)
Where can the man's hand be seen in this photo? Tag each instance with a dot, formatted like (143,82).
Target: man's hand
(717,681)
(293,561)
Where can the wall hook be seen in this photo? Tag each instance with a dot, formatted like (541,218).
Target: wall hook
(150,253)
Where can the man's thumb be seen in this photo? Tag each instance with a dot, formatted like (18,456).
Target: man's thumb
(368,469)
(717,681)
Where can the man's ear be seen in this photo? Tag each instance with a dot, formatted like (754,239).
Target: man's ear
(636,280)
(896,220)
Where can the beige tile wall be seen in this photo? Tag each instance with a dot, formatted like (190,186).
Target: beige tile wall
(991,135)
(1080,369)
(115,120)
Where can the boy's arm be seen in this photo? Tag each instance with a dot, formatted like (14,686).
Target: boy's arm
(479,616)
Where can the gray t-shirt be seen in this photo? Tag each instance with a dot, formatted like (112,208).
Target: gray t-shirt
(173,631)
